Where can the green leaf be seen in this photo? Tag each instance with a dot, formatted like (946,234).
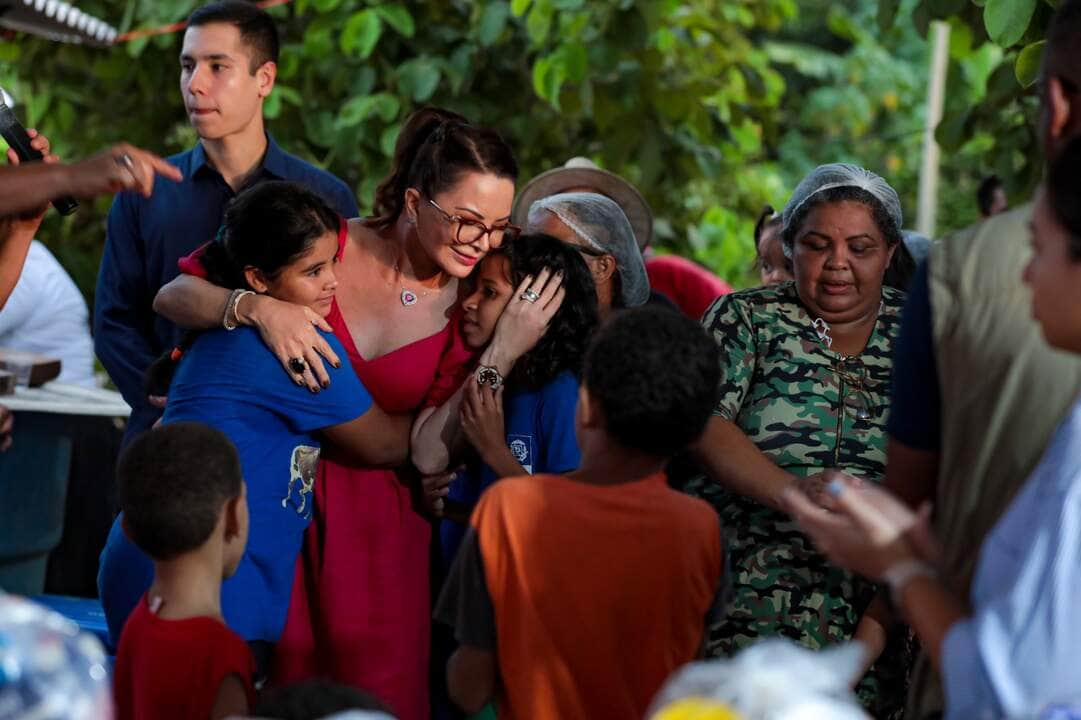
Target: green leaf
(361,33)
(135,47)
(539,22)
(493,20)
(887,13)
(272,107)
(359,109)
(389,138)
(953,131)
(288,94)
(549,73)
(289,61)
(575,62)
(518,7)
(398,18)
(418,78)
(325,6)
(1007,20)
(1027,67)
(318,42)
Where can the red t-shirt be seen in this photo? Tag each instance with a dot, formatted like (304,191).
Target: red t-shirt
(689,285)
(168,669)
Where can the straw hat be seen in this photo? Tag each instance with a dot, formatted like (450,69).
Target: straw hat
(580,172)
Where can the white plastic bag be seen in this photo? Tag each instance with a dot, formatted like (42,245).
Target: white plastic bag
(774,679)
(48,669)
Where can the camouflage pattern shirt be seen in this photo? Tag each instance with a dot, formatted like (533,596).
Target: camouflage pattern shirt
(807,408)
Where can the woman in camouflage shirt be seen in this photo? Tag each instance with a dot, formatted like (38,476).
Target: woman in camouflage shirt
(804,393)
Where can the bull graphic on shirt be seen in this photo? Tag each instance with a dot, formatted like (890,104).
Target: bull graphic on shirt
(302,468)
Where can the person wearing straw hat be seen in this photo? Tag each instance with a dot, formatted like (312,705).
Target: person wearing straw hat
(687,284)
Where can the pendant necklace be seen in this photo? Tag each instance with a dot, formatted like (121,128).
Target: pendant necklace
(822,330)
(408,297)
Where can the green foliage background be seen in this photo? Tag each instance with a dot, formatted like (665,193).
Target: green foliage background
(712,107)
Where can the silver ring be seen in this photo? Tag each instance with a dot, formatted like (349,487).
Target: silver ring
(124,160)
(529,296)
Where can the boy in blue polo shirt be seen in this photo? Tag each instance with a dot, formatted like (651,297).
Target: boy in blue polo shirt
(228,68)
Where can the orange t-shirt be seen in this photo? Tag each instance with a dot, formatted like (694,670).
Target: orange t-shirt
(597,592)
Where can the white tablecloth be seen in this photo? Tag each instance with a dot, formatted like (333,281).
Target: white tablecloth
(64,399)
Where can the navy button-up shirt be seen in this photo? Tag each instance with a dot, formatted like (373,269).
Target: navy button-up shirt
(145,238)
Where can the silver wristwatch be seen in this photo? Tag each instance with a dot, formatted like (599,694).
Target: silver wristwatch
(488,375)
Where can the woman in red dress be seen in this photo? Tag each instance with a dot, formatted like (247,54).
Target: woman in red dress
(360,611)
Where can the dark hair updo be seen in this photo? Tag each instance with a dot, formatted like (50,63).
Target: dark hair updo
(434,148)
(564,344)
(268,227)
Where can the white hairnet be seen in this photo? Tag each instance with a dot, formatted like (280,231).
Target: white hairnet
(601,223)
(835,175)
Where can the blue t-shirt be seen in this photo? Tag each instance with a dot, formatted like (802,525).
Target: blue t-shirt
(540,434)
(232,382)
(144,237)
(915,411)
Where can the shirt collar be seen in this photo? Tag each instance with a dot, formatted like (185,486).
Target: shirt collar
(274,160)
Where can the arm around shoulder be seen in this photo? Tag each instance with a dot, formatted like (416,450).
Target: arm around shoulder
(376,438)
(192,302)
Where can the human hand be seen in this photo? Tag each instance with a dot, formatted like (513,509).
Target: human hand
(434,489)
(289,330)
(814,486)
(7,424)
(869,530)
(28,223)
(481,417)
(524,322)
(121,167)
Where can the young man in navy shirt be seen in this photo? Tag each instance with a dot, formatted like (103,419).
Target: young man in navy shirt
(228,67)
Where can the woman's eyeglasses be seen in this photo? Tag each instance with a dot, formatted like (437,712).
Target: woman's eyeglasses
(855,399)
(469,231)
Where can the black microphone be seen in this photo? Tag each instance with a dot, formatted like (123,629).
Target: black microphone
(15,135)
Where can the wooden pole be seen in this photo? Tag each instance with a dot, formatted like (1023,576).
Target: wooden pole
(936,93)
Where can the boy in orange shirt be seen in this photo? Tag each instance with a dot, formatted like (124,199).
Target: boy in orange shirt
(576,596)
(184,505)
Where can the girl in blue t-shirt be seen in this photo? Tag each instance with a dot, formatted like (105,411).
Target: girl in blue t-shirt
(281,240)
(524,423)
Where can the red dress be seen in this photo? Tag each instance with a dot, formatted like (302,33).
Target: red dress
(360,613)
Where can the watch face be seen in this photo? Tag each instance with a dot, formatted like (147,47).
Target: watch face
(488,376)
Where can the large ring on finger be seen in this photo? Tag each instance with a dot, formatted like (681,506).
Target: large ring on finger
(124,160)
(529,296)
(297,365)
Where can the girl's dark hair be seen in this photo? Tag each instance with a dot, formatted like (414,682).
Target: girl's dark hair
(564,344)
(901,267)
(1063,189)
(435,147)
(767,219)
(268,226)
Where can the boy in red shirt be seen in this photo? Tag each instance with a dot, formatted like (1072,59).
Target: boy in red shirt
(185,506)
(576,596)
